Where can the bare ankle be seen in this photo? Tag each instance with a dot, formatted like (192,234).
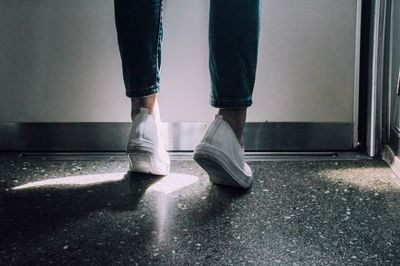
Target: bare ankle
(148,102)
(236,118)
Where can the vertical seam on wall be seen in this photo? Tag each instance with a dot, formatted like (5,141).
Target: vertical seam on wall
(390,74)
(158,65)
(357,66)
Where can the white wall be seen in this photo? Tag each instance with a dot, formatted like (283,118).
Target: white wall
(59,62)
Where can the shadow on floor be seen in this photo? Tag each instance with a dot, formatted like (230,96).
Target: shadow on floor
(43,206)
(38,209)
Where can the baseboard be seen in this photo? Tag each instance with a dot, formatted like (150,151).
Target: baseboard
(182,136)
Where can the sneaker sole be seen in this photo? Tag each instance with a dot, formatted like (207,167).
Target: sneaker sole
(219,168)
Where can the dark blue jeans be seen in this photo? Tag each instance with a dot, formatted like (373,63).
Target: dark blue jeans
(233,41)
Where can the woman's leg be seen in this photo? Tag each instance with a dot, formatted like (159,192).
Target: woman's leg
(233,38)
(139,30)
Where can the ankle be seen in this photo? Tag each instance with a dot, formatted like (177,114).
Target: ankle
(236,119)
(148,102)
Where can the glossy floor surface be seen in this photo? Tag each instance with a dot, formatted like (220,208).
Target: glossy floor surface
(91,212)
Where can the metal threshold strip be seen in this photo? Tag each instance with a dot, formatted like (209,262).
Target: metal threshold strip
(184,156)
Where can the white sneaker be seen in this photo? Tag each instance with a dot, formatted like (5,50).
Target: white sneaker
(222,157)
(146,151)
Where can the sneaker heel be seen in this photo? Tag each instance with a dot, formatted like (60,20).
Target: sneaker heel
(216,173)
(140,162)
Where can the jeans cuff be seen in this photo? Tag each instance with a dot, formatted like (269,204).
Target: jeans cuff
(143,92)
(231,104)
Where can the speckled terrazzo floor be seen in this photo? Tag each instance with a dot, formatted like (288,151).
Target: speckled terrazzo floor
(297,213)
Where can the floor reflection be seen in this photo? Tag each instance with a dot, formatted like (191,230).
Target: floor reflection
(163,207)
(173,182)
(74,181)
